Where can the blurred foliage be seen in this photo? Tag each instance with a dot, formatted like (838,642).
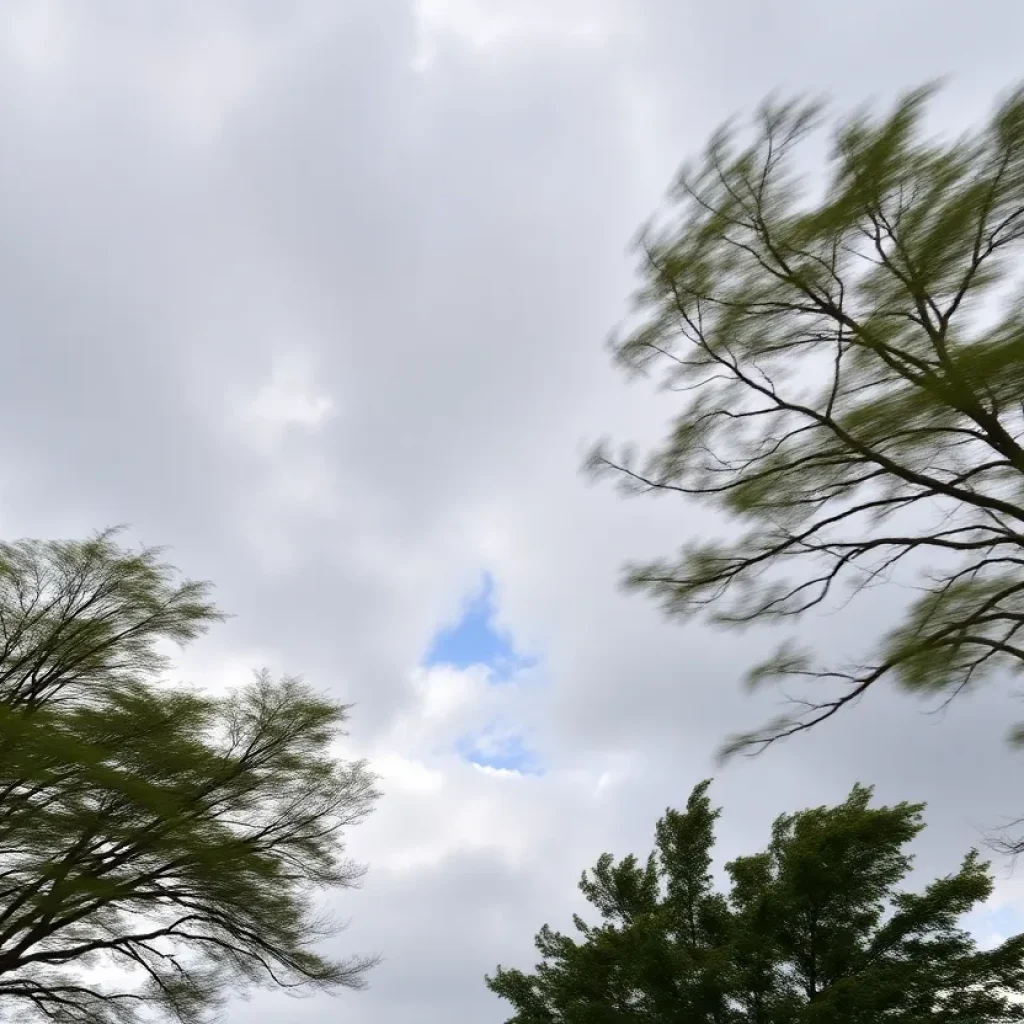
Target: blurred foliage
(148,833)
(851,372)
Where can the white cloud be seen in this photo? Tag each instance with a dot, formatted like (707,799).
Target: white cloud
(287,399)
(490,27)
(35,35)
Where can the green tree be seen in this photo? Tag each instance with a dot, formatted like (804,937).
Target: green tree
(158,847)
(816,928)
(850,363)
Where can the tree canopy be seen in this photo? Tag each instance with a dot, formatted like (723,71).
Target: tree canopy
(815,928)
(158,847)
(850,366)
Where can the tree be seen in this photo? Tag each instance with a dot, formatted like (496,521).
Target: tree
(851,372)
(158,847)
(813,929)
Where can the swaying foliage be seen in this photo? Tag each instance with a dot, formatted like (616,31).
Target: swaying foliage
(851,369)
(170,841)
(814,929)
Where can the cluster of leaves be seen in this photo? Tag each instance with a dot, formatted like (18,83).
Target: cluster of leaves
(168,842)
(813,929)
(852,376)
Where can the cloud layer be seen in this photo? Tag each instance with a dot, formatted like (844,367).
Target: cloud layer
(315,293)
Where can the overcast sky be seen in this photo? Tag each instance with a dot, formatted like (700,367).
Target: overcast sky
(315,292)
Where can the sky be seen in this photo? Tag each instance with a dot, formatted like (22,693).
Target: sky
(315,294)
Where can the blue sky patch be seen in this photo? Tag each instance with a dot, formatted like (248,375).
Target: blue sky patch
(475,640)
(1004,921)
(508,752)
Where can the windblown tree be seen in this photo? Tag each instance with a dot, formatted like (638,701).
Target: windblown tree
(816,928)
(850,363)
(158,848)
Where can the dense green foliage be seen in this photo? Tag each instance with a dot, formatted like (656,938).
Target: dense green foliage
(816,928)
(851,372)
(157,847)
